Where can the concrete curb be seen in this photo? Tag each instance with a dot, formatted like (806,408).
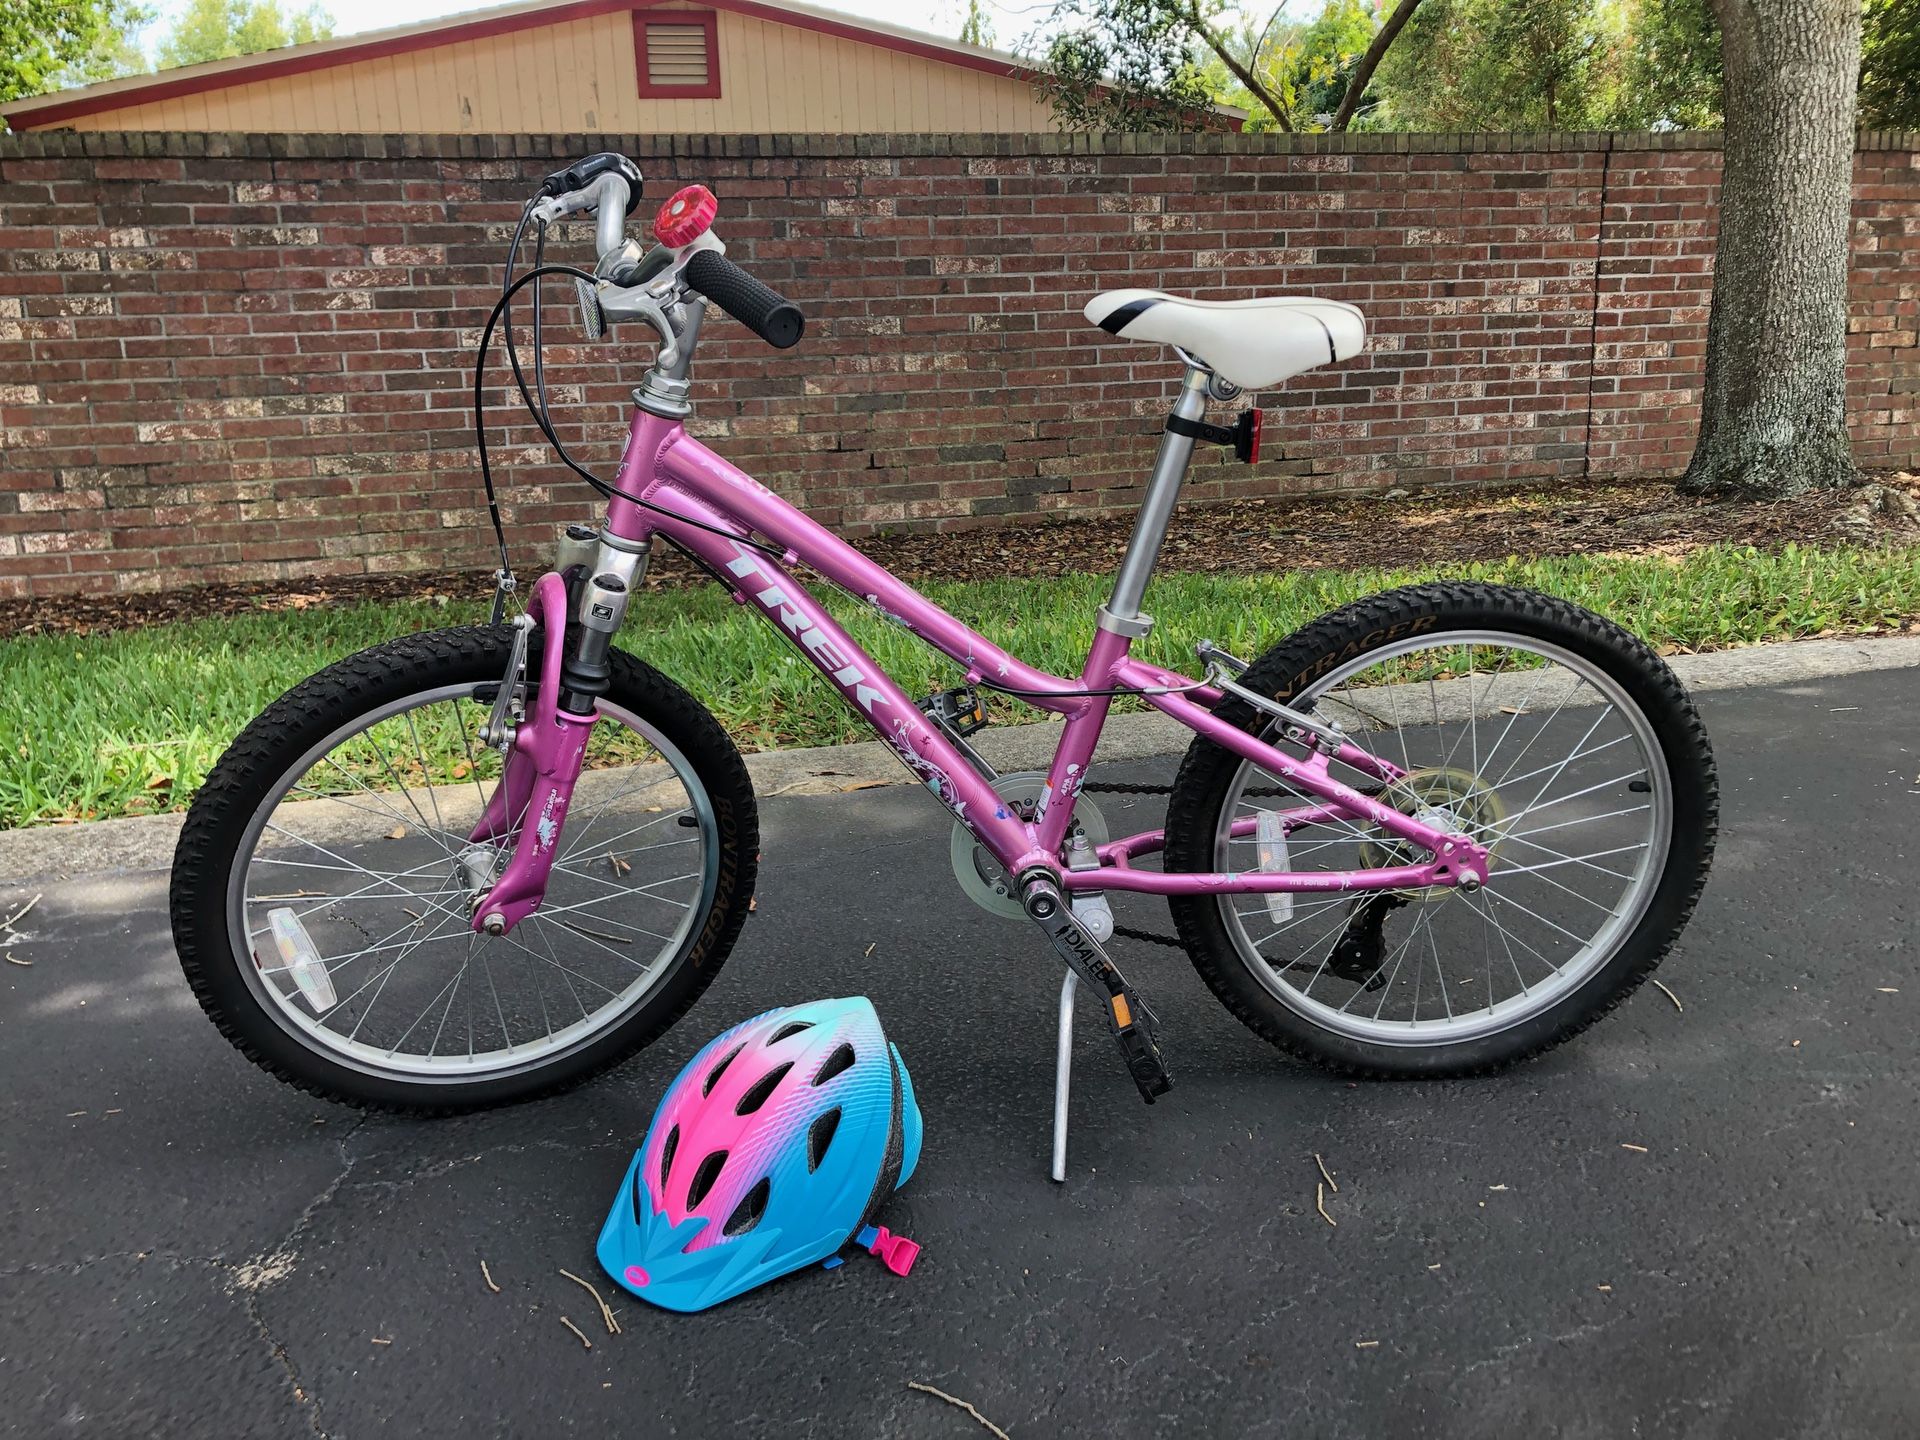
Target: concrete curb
(146,842)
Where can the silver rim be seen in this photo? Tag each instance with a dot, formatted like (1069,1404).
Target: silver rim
(363,840)
(1517,741)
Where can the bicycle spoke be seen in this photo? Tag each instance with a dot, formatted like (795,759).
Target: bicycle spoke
(388,931)
(1499,783)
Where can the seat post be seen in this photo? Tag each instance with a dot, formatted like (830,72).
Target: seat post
(1121,613)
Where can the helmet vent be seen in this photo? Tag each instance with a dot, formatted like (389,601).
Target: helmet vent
(666,1155)
(789,1030)
(762,1088)
(747,1213)
(713,1075)
(819,1136)
(704,1177)
(841,1059)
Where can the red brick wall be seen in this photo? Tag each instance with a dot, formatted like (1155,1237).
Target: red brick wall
(228,357)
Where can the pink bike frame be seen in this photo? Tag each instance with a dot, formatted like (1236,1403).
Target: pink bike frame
(670,469)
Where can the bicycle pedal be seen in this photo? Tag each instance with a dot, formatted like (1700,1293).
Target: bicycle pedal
(959,710)
(1144,1062)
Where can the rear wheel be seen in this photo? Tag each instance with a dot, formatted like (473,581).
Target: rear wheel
(1549,735)
(322,884)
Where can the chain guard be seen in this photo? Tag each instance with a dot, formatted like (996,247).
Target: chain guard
(981,876)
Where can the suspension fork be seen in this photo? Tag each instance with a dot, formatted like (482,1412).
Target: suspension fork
(595,578)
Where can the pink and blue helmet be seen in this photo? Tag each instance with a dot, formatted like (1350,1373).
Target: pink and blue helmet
(773,1148)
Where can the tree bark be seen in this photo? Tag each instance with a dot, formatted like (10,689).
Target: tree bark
(1370,62)
(1773,408)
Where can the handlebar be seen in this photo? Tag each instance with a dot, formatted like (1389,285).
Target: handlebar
(608,195)
(609,184)
(762,309)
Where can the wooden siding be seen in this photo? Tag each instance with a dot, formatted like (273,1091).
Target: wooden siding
(580,76)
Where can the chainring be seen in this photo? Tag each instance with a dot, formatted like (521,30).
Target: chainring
(983,878)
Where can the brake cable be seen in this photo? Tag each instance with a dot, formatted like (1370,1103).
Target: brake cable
(541,412)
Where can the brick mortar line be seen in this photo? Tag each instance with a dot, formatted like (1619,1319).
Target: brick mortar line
(1593,324)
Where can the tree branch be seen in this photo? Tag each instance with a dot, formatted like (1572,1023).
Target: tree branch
(1369,62)
(1239,72)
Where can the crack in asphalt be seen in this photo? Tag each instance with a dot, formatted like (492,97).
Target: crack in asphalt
(267,1266)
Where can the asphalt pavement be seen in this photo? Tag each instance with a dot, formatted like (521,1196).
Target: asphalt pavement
(1698,1221)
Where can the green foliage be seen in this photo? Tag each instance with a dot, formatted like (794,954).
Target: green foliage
(130,722)
(976,29)
(221,29)
(51,44)
(1304,68)
(1124,64)
(1890,65)
(1506,65)
(1673,71)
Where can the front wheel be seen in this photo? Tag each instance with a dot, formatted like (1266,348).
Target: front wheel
(322,886)
(1548,734)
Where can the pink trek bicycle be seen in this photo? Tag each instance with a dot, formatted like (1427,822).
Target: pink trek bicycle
(1432,833)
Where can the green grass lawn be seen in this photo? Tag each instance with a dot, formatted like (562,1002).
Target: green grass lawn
(129,722)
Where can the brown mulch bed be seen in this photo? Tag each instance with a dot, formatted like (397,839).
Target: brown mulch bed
(1240,536)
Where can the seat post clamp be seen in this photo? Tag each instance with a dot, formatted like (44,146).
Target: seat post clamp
(1243,435)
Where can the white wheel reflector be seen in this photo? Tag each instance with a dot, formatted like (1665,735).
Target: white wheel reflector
(302,960)
(1272,837)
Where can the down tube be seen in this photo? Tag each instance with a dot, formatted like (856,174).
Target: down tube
(934,761)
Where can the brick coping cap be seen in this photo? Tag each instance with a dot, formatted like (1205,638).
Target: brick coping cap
(160,144)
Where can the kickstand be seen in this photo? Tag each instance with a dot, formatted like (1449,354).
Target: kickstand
(1063,1076)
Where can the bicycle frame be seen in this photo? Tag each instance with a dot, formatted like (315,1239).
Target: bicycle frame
(670,469)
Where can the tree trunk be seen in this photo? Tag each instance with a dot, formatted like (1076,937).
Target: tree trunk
(1370,62)
(1773,410)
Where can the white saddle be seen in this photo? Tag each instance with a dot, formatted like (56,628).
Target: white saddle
(1253,343)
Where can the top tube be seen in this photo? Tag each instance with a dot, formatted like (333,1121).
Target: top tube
(662,457)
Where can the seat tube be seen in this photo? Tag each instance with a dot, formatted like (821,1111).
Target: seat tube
(1122,610)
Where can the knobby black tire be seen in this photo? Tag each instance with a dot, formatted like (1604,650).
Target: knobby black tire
(1207,772)
(258,761)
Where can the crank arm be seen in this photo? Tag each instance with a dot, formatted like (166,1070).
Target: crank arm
(1132,1025)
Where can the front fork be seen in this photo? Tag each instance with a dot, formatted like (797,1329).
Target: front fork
(544,747)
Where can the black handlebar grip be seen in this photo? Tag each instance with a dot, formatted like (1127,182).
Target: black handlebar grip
(766,312)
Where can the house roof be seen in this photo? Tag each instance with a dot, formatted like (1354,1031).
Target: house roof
(41,111)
